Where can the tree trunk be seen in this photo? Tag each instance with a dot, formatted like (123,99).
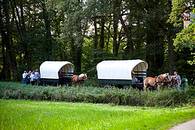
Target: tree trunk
(95,39)
(154,52)
(2,32)
(78,41)
(5,73)
(48,32)
(20,25)
(9,60)
(78,49)
(116,13)
(96,34)
(115,26)
(171,58)
(102,33)
(27,57)
(127,29)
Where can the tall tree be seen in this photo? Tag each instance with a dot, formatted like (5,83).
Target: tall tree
(156,17)
(116,14)
(9,58)
(48,37)
(75,28)
(102,24)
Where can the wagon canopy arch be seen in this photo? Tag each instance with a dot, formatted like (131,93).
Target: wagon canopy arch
(53,69)
(121,69)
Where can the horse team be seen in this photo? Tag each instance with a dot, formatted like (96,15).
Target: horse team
(162,80)
(148,83)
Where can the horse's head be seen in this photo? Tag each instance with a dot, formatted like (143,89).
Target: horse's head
(83,76)
(163,78)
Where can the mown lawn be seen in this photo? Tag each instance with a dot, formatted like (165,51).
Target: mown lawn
(35,115)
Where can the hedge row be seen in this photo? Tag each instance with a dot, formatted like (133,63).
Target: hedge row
(90,94)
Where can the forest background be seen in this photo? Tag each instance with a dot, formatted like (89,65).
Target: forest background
(86,32)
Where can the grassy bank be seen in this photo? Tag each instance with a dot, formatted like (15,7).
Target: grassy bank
(90,94)
(31,115)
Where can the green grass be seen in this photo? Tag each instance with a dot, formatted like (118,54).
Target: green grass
(35,115)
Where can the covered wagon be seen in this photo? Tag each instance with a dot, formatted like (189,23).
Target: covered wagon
(122,72)
(56,72)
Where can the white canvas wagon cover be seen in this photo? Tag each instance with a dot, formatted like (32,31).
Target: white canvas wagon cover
(120,69)
(51,69)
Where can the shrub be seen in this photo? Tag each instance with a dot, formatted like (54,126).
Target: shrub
(113,95)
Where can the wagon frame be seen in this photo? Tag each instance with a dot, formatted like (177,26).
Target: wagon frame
(56,72)
(121,72)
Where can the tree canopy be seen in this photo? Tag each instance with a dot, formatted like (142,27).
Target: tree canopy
(86,32)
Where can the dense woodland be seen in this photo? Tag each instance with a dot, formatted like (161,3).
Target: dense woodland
(86,32)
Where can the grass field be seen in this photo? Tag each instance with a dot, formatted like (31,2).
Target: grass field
(35,115)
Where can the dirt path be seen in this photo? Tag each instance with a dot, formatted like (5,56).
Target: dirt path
(189,125)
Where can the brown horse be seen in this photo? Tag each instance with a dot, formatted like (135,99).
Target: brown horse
(150,82)
(167,80)
(78,78)
(163,79)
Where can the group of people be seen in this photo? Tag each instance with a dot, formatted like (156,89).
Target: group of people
(31,77)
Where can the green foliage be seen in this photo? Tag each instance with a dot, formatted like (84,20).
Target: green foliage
(185,46)
(97,7)
(177,9)
(186,38)
(93,94)
(142,27)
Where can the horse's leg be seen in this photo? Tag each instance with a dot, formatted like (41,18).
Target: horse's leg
(145,86)
(158,87)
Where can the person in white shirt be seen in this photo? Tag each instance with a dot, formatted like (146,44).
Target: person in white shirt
(24,75)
